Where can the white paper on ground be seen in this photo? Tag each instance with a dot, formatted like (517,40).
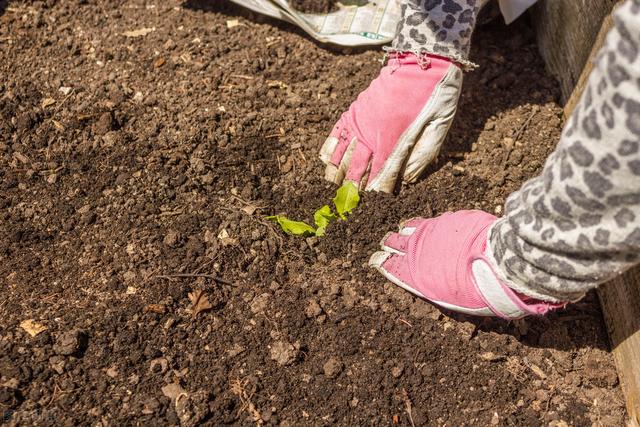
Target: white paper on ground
(370,24)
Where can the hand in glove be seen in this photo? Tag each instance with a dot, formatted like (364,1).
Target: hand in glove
(395,128)
(443,260)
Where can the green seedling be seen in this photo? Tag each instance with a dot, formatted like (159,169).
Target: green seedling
(323,217)
(346,200)
(297,228)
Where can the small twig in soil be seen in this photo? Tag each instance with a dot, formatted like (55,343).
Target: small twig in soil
(546,410)
(272,323)
(238,388)
(304,159)
(405,322)
(208,263)
(59,106)
(524,126)
(53,395)
(187,275)
(240,76)
(83,117)
(272,229)
(247,203)
(455,154)
(407,404)
(274,42)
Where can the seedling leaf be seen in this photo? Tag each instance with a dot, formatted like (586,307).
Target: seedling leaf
(347,198)
(323,217)
(297,228)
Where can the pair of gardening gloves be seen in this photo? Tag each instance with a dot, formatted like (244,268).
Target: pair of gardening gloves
(389,135)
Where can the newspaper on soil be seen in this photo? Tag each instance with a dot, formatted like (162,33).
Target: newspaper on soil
(358,22)
(352,25)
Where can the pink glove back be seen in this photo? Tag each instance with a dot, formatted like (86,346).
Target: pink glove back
(443,260)
(396,126)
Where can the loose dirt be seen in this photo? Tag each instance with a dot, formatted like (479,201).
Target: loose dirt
(314,6)
(136,168)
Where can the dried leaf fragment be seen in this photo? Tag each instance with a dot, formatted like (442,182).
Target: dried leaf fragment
(32,327)
(539,372)
(159,62)
(491,357)
(278,84)
(48,101)
(18,155)
(199,302)
(249,209)
(226,240)
(155,308)
(57,125)
(139,33)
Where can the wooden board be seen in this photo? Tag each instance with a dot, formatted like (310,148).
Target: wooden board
(620,299)
(607,22)
(566,31)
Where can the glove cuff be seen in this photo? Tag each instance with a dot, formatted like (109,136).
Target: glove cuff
(440,28)
(504,301)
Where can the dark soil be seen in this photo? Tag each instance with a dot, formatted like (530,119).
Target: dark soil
(135,170)
(314,6)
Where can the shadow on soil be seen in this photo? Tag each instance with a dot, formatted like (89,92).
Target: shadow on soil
(578,326)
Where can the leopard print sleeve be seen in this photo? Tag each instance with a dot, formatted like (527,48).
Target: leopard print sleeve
(578,224)
(439,27)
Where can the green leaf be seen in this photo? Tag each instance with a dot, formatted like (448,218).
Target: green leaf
(323,217)
(297,228)
(347,198)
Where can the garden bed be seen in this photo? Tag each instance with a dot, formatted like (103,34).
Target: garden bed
(136,169)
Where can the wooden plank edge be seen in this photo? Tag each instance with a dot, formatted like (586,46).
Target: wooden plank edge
(607,23)
(620,301)
(620,298)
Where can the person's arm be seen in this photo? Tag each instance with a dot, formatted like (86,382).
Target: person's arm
(564,232)
(578,224)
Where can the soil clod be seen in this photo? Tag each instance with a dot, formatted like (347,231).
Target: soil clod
(69,343)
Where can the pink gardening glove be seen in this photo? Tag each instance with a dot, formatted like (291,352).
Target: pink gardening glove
(396,126)
(443,260)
